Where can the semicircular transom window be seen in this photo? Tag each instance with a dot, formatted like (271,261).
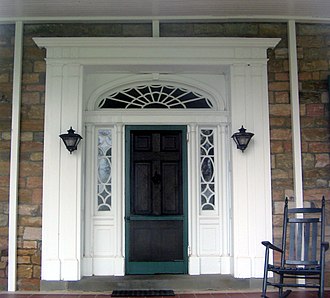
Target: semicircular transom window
(155,97)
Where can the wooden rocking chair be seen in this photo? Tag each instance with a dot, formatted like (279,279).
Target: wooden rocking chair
(302,253)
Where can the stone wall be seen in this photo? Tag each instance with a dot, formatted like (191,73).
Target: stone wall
(313,53)
(313,43)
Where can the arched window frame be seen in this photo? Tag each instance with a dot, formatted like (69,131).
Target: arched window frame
(155,95)
(217,100)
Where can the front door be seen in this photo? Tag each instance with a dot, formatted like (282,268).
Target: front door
(156,204)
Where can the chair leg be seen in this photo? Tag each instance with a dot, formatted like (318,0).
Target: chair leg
(265,279)
(280,289)
(286,293)
(264,287)
(321,289)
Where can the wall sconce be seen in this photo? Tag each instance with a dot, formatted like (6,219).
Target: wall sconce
(71,140)
(242,138)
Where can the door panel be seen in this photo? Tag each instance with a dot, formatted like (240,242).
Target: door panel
(155,237)
(142,188)
(171,196)
(156,225)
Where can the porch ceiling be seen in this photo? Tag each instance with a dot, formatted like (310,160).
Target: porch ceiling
(158,9)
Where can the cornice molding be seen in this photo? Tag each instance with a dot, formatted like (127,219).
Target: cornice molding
(167,19)
(164,51)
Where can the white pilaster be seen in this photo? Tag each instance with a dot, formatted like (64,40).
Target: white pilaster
(70,176)
(62,175)
(51,266)
(194,266)
(119,262)
(251,169)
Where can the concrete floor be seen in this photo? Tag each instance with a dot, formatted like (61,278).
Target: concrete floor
(178,283)
(296,294)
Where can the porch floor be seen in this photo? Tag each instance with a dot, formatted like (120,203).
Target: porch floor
(184,286)
(295,294)
(177,283)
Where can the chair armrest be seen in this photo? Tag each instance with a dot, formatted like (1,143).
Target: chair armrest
(325,245)
(272,246)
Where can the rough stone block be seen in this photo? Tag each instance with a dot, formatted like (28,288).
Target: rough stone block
(30,78)
(276,147)
(283,110)
(315,134)
(280,174)
(3,220)
(277,122)
(282,97)
(39,66)
(30,244)
(30,98)
(315,109)
(29,284)
(280,134)
(30,221)
(37,156)
(306,65)
(284,161)
(24,271)
(32,233)
(23,260)
(279,86)
(308,160)
(32,210)
(322,160)
(28,169)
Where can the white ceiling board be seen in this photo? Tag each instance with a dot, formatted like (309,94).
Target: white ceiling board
(20,9)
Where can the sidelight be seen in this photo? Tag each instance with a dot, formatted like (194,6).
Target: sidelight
(104,168)
(207,171)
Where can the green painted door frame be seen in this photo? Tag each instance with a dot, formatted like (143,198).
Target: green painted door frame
(177,266)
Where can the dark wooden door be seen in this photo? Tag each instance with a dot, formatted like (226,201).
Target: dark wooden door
(155,208)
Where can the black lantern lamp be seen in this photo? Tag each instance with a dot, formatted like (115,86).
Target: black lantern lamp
(71,140)
(242,138)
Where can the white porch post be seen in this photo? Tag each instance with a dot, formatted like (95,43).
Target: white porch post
(295,115)
(14,157)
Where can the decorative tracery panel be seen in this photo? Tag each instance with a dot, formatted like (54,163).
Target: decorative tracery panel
(104,169)
(207,169)
(155,97)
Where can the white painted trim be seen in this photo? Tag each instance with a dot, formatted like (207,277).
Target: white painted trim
(251,171)
(201,52)
(234,18)
(295,116)
(176,117)
(155,28)
(199,47)
(251,184)
(14,157)
(119,189)
(193,267)
(218,101)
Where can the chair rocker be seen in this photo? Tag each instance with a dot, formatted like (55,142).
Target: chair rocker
(302,252)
